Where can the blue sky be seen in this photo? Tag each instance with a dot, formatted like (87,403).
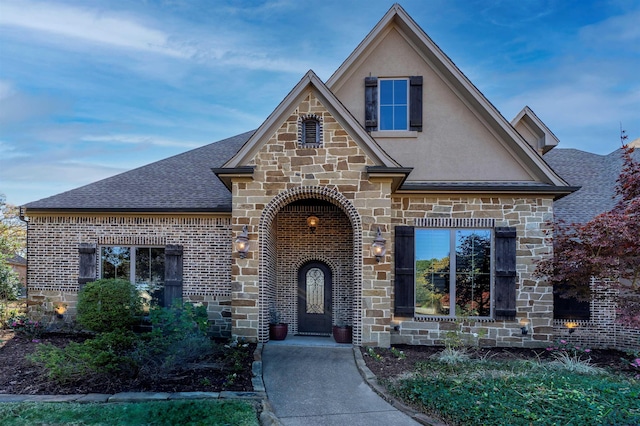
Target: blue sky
(89,89)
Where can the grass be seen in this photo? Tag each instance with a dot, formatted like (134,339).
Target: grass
(488,392)
(202,412)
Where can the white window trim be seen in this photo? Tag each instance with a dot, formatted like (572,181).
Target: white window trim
(380,80)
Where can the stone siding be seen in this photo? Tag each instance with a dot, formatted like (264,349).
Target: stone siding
(54,261)
(285,172)
(534,298)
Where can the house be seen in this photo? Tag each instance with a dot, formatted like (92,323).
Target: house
(344,205)
(593,323)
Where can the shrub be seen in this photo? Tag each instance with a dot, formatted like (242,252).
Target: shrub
(177,337)
(26,326)
(108,304)
(106,353)
(9,281)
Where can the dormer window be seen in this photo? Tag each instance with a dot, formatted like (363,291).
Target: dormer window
(309,131)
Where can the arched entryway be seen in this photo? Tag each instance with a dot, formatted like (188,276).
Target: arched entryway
(288,246)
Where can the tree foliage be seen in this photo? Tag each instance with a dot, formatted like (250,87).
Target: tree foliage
(13,232)
(606,248)
(12,241)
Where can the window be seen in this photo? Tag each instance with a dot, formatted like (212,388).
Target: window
(466,291)
(448,272)
(144,266)
(309,131)
(393,104)
(571,307)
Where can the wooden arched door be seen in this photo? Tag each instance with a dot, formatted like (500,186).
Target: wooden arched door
(314,298)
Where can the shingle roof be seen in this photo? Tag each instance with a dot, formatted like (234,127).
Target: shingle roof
(183,182)
(596,174)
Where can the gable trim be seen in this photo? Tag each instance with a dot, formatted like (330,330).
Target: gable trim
(333,105)
(469,94)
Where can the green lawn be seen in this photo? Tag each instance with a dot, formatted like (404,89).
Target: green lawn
(520,393)
(200,412)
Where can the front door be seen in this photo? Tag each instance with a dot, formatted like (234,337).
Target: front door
(314,299)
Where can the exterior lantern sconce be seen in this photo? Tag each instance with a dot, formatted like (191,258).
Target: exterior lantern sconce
(571,326)
(524,326)
(379,246)
(312,223)
(60,309)
(242,243)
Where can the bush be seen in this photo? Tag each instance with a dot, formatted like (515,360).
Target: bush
(105,354)
(177,337)
(108,305)
(9,281)
(26,326)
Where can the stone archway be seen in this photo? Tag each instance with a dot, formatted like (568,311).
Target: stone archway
(268,272)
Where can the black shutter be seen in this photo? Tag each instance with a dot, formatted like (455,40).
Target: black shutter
(505,274)
(172,274)
(404,271)
(87,272)
(415,103)
(371,103)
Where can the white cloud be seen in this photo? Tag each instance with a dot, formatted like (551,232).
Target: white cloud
(88,25)
(141,140)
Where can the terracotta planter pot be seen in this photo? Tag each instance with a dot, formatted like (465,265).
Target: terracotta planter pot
(278,331)
(342,334)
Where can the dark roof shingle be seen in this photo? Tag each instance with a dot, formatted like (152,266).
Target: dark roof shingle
(183,182)
(596,174)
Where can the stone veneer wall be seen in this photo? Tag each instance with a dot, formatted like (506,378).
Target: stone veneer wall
(534,298)
(335,172)
(53,256)
(332,243)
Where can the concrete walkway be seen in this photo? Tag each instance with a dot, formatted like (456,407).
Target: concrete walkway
(315,381)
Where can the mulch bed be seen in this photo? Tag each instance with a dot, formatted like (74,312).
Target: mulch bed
(391,366)
(19,376)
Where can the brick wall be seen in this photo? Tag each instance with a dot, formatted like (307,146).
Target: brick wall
(53,255)
(297,245)
(601,330)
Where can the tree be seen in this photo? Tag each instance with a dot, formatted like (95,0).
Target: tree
(606,248)
(12,241)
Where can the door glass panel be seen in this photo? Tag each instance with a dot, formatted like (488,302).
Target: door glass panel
(315,291)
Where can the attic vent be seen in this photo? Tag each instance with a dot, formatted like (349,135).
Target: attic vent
(310,131)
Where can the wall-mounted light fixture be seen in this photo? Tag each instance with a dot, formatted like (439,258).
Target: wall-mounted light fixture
(524,326)
(312,223)
(571,326)
(60,309)
(242,243)
(379,246)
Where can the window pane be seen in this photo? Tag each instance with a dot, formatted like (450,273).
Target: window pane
(386,118)
(115,262)
(400,118)
(400,92)
(150,274)
(386,92)
(473,272)
(432,272)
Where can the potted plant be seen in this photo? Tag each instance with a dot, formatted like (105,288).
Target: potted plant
(277,329)
(342,332)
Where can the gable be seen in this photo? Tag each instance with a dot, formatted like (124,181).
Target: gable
(464,138)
